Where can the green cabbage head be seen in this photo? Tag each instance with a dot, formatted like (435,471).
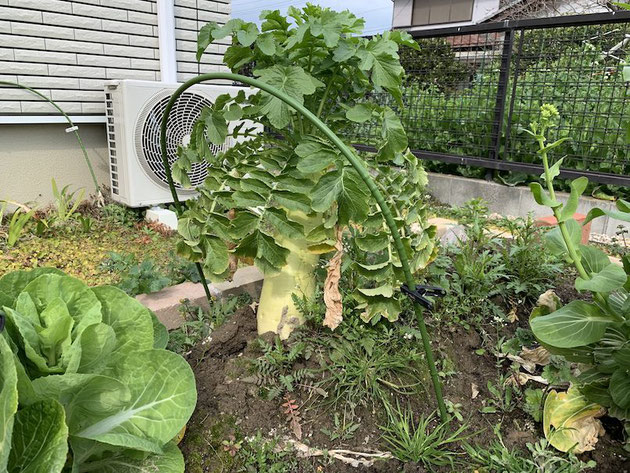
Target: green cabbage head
(85,380)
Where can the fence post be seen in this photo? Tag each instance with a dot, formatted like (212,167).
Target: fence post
(502,88)
(517,66)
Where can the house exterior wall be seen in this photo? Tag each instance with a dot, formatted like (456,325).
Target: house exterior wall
(403,10)
(66,49)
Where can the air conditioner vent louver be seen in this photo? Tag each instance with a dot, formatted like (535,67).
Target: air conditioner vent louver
(111,143)
(134,115)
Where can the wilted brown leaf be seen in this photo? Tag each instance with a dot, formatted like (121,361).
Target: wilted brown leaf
(332,296)
(539,355)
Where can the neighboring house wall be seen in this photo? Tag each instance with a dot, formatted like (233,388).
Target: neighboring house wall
(66,50)
(403,14)
(516,9)
(499,10)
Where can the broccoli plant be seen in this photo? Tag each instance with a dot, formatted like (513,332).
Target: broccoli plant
(286,199)
(595,333)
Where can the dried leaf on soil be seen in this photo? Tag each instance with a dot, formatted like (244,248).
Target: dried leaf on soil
(295,422)
(539,355)
(570,421)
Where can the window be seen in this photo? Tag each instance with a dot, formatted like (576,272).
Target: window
(435,12)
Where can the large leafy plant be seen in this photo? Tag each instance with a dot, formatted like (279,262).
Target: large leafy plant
(595,333)
(283,198)
(84,370)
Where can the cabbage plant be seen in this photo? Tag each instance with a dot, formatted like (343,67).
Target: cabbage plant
(594,333)
(287,200)
(86,383)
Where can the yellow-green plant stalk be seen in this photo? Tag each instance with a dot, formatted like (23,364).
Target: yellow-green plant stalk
(593,334)
(276,310)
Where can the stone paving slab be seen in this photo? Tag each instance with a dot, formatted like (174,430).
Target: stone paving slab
(165,303)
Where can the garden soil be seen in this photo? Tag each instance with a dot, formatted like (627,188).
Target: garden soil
(230,404)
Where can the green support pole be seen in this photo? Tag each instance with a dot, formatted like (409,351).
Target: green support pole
(358,165)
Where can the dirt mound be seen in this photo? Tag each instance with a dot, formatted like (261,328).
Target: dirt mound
(229,402)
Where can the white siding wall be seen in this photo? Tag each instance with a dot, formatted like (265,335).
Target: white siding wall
(66,49)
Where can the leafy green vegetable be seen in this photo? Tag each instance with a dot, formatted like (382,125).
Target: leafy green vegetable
(278,188)
(8,400)
(89,366)
(594,333)
(40,439)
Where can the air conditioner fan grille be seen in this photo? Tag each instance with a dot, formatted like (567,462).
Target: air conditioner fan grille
(181,120)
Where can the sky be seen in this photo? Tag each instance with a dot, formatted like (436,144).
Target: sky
(377,13)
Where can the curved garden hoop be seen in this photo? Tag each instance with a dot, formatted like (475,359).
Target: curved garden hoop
(358,165)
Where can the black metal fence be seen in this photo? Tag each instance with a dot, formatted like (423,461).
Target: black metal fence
(470,91)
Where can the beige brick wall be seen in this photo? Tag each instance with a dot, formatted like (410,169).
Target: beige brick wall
(66,49)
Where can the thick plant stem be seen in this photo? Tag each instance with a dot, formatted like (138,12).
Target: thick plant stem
(360,168)
(276,310)
(556,212)
(577,260)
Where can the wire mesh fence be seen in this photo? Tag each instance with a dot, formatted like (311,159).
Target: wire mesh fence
(470,91)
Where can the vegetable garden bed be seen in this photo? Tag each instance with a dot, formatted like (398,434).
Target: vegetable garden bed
(511,355)
(236,427)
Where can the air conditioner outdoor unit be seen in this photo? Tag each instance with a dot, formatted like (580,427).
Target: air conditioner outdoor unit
(134,112)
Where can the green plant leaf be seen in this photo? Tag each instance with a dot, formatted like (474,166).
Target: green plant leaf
(380,58)
(360,113)
(8,400)
(237,56)
(216,126)
(329,26)
(346,188)
(40,439)
(94,456)
(623,215)
(270,252)
(98,342)
(247,34)
(555,242)
(593,259)
(217,255)
(248,199)
(293,81)
(131,321)
(554,170)
(385,290)
(160,333)
(162,399)
(578,186)
(291,201)
(620,387)
(394,136)
(573,325)
(266,44)
(281,225)
(13,283)
(205,38)
(315,156)
(81,302)
(373,243)
(609,279)
(541,197)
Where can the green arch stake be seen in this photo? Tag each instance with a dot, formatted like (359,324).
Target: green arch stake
(358,165)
